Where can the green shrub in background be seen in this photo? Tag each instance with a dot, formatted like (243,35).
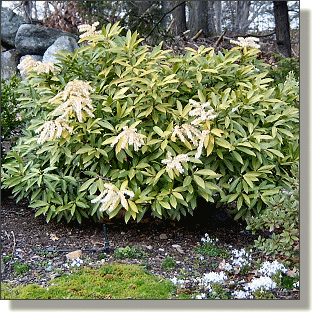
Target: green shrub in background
(283,67)
(123,128)
(11,117)
(281,217)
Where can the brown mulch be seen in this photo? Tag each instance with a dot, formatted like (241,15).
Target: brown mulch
(31,241)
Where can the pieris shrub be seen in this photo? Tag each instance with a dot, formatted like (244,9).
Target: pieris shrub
(122,128)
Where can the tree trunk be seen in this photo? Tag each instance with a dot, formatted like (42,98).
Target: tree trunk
(179,14)
(281,17)
(27,8)
(198,17)
(242,16)
(165,5)
(217,12)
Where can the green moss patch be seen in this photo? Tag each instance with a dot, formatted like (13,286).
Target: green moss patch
(113,281)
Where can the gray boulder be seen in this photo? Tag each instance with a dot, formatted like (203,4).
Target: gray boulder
(62,43)
(9,62)
(10,23)
(36,39)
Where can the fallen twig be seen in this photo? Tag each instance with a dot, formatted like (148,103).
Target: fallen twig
(220,38)
(197,35)
(14,242)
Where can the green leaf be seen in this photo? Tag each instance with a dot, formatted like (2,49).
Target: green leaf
(86,185)
(158,130)
(133,206)
(187,180)
(173,201)
(208,172)
(200,182)
(177,195)
(223,143)
(276,152)
(237,156)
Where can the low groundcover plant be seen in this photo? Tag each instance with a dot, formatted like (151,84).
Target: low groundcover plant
(119,127)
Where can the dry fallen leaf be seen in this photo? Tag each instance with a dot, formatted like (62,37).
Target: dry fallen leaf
(222,264)
(292,273)
(74,254)
(53,237)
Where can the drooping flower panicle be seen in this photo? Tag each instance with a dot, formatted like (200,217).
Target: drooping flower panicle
(187,130)
(52,129)
(175,163)
(77,99)
(111,197)
(88,29)
(29,64)
(129,136)
(200,112)
(249,42)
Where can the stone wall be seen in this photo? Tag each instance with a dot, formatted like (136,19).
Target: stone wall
(19,39)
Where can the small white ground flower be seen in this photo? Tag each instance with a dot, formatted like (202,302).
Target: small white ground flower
(175,162)
(76,262)
(249,42)
(266,282)
(129,137)
(272,268)
(111,197)
(52,129)
(214,277)
(228,267)
(88,29)
(240,294)
(200,112)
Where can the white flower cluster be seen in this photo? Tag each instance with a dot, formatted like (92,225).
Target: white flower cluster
(129,137)
(240,294)
(52,129)
(76,95)
(200,112)
(88,29)
(195,135)
(240,258)
(263,282)
(214,277)
(249,42)
(189,130)
(111,197)
(77,99)
(74,263)
(296,284)
(272,268)
(29,64)
(176,281)
(201,296)
(208,239)
(175,163)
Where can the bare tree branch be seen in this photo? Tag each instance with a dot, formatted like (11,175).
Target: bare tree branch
(179,4)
